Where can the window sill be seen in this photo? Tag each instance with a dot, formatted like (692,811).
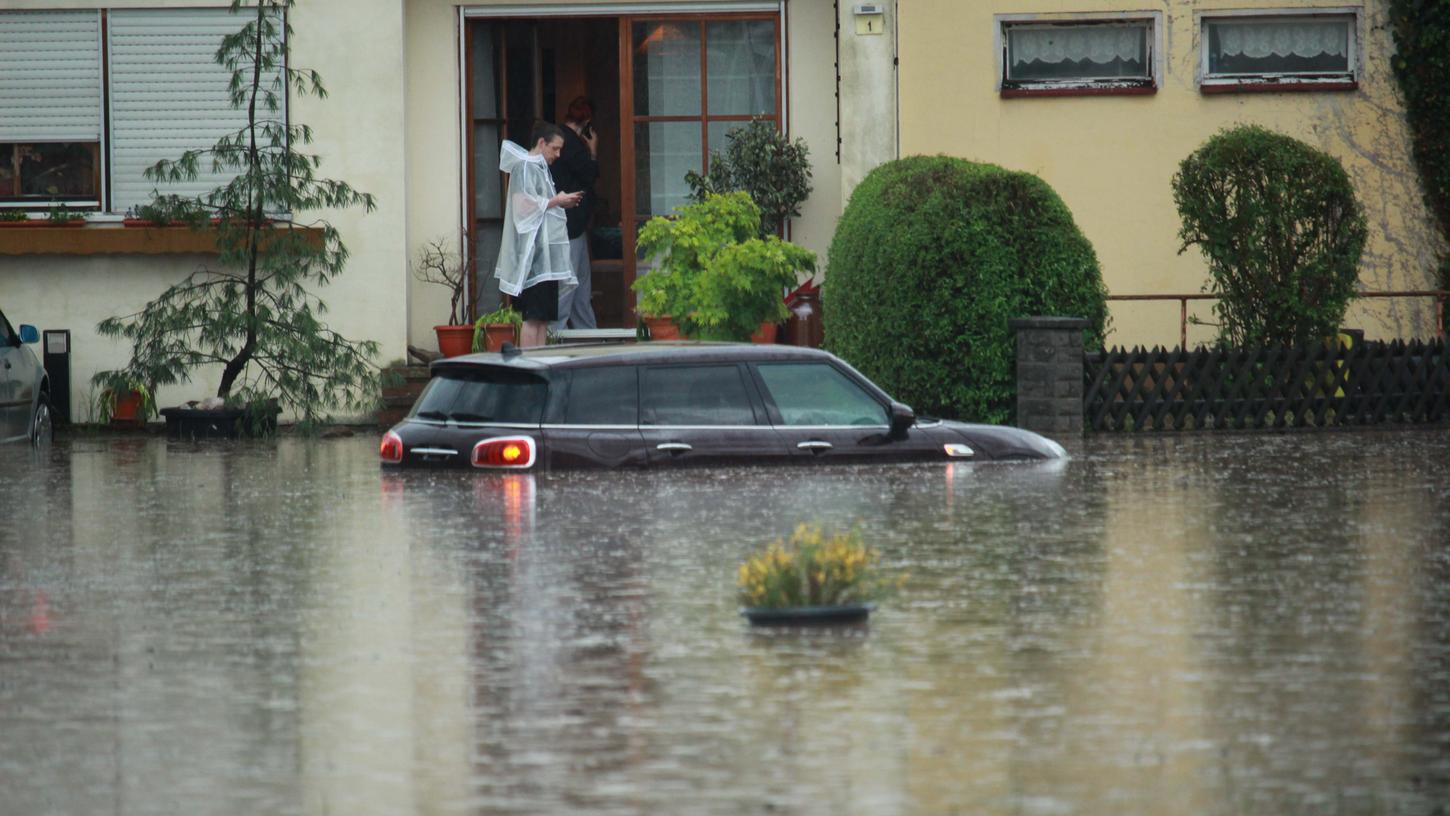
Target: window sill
(1079,90)
(1276,86)
(95,239)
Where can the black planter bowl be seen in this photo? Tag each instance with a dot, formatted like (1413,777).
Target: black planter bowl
(220,423)
(808,615)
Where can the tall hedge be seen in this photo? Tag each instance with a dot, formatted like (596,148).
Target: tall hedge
(1281,228)
(931,259)
(1422,66)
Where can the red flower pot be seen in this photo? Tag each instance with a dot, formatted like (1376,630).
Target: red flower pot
(454,340)
(663,328)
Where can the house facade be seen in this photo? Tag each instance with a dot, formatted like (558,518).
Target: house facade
(421,92)
(1104,100)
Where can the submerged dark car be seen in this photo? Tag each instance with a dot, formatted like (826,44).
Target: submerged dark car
(675,404)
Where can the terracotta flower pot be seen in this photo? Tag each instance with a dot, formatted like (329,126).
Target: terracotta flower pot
(663,328)
(454,340)
(126,408)
(496,334)
(765,334)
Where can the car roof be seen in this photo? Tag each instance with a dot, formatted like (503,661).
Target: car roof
(584,355)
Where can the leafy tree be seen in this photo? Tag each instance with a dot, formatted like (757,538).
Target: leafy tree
(760,160)
(1282,231)
(1422,66)
(255,313)
(931,259)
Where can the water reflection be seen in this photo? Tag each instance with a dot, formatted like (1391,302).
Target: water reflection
(1219,624)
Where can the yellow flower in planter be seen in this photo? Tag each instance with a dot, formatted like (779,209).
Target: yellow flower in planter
(812,568)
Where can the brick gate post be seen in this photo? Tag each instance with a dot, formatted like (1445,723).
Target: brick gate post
(1049,374)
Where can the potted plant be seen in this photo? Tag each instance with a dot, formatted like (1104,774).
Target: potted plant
(492,330)
(439,265)
(166,211)
(759,159)
(255,313)
(14,218)
(59,215)
(123,399)
(812,577)
(714,274)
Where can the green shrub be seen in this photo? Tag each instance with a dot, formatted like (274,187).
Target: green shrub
(762,161)
(1282,231)
(931,259)
(1422,68)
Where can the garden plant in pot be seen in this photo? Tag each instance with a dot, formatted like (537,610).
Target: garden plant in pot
(122,399)
(813,577)
(254,312)
(439,265)
(713,274)
(492,330)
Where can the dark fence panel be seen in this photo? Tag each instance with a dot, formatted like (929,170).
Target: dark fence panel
(1317,385)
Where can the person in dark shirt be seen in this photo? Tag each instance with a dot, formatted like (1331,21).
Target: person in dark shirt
(575,172)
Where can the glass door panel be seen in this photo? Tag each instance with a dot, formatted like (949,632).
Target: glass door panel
(666,68)
(740,64)
(663,153)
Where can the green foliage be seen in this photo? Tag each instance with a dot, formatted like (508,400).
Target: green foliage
(760,160)
(503,314)
(115,384)
(1281,229)
(715,276)
(14,215)
(165,210)
(930,260)
(61,214)
(812,568)
(1422,66)
(256,313)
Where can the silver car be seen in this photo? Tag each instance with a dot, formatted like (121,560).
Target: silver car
(24,388)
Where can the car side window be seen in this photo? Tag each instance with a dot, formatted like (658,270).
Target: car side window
(7,337)
(603,396)
(819,394)
(695,395)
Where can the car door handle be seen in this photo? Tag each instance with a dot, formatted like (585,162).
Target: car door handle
(814,445)
(674,447)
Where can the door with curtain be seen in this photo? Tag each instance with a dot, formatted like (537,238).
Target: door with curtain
(685,84)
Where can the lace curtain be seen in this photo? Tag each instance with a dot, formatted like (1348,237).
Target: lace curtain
(1099,44)
(1260,40)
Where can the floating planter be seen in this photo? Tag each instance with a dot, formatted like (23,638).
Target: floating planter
(812,578)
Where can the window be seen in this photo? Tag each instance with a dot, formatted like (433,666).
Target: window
(603,396)
(89,99)
(696,395)
(1078,56)
(1274,51)
(819,394)
(483,395)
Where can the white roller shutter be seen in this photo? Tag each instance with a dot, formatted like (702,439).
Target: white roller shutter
(50,76)
(168,95)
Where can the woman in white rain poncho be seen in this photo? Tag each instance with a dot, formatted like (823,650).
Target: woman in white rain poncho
(533,256)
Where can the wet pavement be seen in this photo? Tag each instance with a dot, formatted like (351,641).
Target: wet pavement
(1214,624)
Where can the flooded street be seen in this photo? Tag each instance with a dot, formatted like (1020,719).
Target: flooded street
(1209,624)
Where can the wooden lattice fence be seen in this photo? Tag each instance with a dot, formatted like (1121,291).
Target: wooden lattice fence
(1276,387)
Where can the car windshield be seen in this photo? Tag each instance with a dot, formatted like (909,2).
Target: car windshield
(483,395)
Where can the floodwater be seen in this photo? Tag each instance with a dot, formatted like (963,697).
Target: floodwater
(1210,624)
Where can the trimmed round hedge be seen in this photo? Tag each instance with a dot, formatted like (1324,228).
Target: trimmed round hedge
(931,259)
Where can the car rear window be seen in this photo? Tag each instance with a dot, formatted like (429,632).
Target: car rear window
(483,395)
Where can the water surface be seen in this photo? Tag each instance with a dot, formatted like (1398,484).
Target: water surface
(1217,624)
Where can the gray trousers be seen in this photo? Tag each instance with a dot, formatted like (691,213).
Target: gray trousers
(576,309)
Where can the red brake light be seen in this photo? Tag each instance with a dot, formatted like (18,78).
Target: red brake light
(513,452)
(392,448)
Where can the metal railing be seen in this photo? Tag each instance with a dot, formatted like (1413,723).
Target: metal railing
(1438,294)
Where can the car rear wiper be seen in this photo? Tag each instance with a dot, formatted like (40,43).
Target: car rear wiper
(439,415)
(464,416)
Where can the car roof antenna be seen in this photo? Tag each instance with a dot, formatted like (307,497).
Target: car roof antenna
(509,349)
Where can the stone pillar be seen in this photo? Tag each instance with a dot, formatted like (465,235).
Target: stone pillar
(1049,374)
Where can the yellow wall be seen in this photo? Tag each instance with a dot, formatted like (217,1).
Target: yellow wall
(1111,157)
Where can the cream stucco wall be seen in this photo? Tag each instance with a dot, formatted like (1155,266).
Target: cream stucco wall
(433,127)
(1111,157)
(358,133)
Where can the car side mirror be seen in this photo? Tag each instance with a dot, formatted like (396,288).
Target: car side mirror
(902,418)
(28,334)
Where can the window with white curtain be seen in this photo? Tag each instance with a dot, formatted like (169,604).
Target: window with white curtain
(58,142)
(1077,54)
(1306,48)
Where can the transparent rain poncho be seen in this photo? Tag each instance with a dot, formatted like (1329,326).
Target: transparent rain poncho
(535,244)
